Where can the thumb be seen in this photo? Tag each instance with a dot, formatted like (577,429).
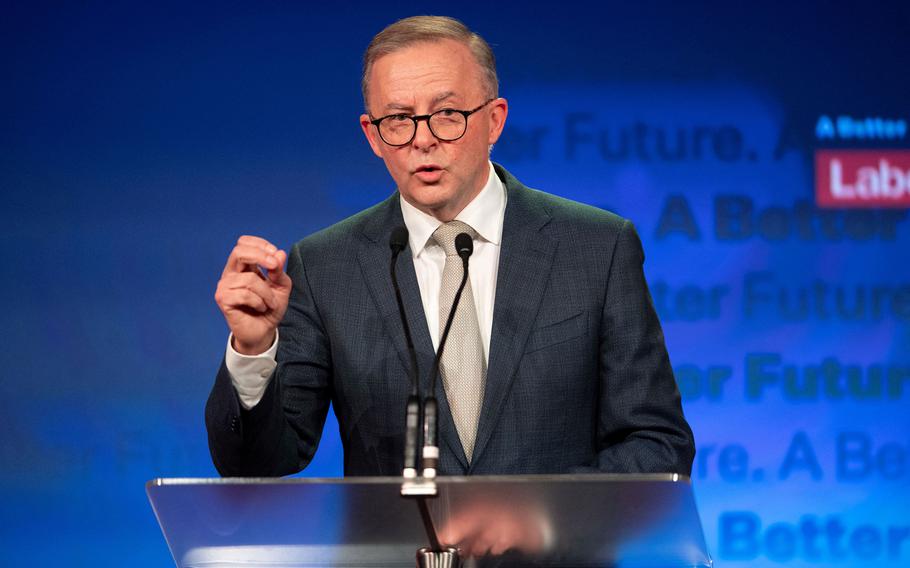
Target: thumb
(277,275)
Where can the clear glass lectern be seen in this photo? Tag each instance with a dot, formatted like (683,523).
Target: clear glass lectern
(565,520)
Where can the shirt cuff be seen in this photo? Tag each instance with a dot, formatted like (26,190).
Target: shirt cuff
(250,374)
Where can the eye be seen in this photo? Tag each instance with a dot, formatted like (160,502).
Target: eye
(398,118)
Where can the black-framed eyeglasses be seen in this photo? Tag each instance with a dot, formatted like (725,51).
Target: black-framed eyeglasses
(447,124)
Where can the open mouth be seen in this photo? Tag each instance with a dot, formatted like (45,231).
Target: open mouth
(429,173)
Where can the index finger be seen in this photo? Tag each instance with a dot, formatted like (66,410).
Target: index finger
(246,258)
(254,241)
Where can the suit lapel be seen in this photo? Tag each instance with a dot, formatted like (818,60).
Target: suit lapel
(374,256)
(524,267)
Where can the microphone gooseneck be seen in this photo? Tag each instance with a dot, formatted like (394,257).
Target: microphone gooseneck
(464,245)
(397,242)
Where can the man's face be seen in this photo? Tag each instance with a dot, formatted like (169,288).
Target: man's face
(439,178)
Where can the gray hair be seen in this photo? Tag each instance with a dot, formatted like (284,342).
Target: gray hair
(415,29)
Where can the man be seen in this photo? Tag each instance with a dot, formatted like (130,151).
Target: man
(556,362)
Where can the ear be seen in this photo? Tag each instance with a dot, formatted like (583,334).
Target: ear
(498,114)
(371,134)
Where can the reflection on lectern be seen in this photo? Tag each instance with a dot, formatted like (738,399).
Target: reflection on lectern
(494,528)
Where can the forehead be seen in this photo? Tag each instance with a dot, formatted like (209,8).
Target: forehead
(423,71)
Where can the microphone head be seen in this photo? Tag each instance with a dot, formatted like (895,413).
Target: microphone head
(399,238)
(464,244)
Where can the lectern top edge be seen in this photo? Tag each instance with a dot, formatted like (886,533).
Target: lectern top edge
(567,478)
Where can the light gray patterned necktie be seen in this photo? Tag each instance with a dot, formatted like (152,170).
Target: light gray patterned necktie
(463,367)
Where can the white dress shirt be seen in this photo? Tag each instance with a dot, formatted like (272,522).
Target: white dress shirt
(485,213)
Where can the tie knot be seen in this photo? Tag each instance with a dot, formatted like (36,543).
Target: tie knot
(445,234)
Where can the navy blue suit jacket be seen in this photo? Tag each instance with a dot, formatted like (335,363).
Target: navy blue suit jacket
(578,376)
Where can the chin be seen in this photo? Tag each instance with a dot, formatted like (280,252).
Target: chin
(430,196)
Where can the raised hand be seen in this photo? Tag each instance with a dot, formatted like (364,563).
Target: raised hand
(253,304)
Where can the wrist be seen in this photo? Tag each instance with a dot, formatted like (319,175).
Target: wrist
(254,348)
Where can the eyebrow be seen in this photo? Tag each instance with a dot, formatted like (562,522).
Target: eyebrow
(436,100)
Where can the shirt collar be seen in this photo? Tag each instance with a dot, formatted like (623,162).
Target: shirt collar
(484,214)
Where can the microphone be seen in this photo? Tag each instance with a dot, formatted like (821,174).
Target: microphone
(464,245)
(397,242)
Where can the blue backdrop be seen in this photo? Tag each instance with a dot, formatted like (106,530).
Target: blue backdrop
(139,140)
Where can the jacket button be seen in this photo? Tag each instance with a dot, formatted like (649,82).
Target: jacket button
(235,424)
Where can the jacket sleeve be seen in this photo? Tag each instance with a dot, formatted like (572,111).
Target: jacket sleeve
(280,434)
(640,422)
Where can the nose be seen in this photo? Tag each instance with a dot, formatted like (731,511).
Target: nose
(423,137)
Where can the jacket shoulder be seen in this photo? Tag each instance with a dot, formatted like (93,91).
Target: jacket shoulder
(341,238)
(566,213)
(565,216)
